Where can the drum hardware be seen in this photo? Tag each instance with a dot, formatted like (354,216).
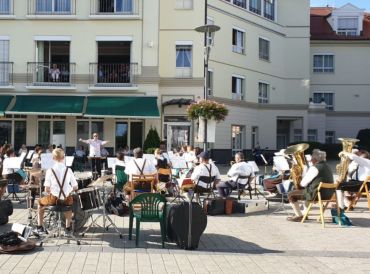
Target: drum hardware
(106,218)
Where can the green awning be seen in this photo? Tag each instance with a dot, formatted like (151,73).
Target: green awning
(48,105)
(4,103)
(117,107)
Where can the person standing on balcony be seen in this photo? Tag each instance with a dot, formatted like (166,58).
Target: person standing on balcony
(54,73)
(95,152)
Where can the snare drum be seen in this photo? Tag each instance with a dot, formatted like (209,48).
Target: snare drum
(89,199)
(83,179)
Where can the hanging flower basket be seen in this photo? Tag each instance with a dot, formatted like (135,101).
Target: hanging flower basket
(207,109)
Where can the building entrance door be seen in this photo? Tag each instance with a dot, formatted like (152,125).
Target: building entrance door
(178,134)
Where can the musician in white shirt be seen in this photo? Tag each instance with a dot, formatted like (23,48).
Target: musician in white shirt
(11,173)
(359,169)
(205,168)
(60,182)
(139,166)
(240,168)
(95,146)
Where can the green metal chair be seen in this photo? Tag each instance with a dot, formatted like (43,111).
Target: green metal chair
(121,177)
(148,207)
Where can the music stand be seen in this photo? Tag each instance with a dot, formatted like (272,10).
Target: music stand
(13,163)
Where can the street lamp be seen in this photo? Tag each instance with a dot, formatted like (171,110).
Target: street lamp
(209,35)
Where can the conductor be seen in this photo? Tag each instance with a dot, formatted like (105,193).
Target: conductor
(94,154)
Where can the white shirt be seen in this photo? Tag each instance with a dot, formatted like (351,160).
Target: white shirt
(70,181)
(363,166)
(132,169)
(201,170)
(242,169)
(311,174)
(95,147)
(190,158)
(7,171)
(117,163)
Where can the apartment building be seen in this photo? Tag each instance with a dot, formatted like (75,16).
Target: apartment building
(339,53)
(70,68)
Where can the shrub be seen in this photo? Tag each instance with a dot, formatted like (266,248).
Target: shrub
(152,140)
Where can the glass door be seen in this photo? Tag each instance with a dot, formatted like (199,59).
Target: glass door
(178,135)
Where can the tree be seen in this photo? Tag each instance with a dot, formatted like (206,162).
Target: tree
(152,140)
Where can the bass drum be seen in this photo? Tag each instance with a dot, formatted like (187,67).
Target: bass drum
(81,217)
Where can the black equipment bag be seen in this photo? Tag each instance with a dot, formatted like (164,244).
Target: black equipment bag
(4,220)
(6,208)
(186,223)
(214,206)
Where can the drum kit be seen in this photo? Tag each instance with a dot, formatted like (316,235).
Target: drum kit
(90,198)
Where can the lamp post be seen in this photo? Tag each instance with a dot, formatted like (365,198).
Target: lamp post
(209,34)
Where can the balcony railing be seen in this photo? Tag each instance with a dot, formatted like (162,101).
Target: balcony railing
(114,7)
(51,7)
(50,74)
(113,75)
(6,7)
(255,10)
(6,73)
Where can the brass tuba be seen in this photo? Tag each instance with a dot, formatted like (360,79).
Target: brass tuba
(342,167)
(296,172)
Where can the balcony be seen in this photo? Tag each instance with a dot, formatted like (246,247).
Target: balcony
(121,75)
(50,75)
(52,7)
(6,7)
(114,7)
(6,74)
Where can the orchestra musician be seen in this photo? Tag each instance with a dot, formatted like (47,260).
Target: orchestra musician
(11,173)
(95,146)
(60,182)
(318,172)
(358,170)
(239,168)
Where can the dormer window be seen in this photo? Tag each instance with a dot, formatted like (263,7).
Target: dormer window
(348,26)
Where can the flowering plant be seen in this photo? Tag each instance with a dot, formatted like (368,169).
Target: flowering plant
(207,109)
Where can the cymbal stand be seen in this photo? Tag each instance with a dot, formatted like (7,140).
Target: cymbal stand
(105,216)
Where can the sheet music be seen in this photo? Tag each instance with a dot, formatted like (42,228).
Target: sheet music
(149,157)
(309,159)
(69,161)
(47,160)
(128,158)
(12,162)
(281,164)
(179,162)
(23,155)
(112,161)
(29,154)
(254,166)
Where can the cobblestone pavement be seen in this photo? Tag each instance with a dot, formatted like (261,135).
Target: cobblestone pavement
(262,242)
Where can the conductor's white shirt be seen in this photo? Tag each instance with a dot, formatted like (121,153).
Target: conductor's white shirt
(51,181)
(95,147)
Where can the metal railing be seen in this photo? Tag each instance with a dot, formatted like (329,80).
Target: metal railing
(50,74)
(51,7)
(6,7)
(114,7)
(113,75)
(254,9)
(6,73)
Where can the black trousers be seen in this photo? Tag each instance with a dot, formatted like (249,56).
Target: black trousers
(352,186)
(96,165)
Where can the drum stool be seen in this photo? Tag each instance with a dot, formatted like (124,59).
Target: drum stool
(55,224)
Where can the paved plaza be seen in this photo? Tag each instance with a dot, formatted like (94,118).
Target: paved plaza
(262,242)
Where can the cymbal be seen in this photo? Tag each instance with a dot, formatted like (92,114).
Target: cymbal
(101,180)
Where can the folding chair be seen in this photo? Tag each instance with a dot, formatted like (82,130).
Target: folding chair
(364,190)
(142,184)
(330,192)
(248,184)
(198,190)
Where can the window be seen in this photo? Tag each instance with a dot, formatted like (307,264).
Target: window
(264,49)
(263,93)
(5,7)
(238,41)
(5,132)
(348,26)
(5,66)
(184,4)
(254,140)
(121,135)
(237,137)
(297,132)
(327,97)
(136,134)
(53,6)
(269,9)
(323,63)
(255,6)
(183,61)
(312,135)
(330,137)
(20,133)
(210,83)
(240,3)
(115,6)
(237,88)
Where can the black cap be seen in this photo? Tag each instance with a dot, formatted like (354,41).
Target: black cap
(204,155)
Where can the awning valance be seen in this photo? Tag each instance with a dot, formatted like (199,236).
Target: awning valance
(125,107)
(48,105)
(4,103)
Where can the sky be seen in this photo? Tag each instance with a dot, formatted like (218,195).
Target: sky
(363,4)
